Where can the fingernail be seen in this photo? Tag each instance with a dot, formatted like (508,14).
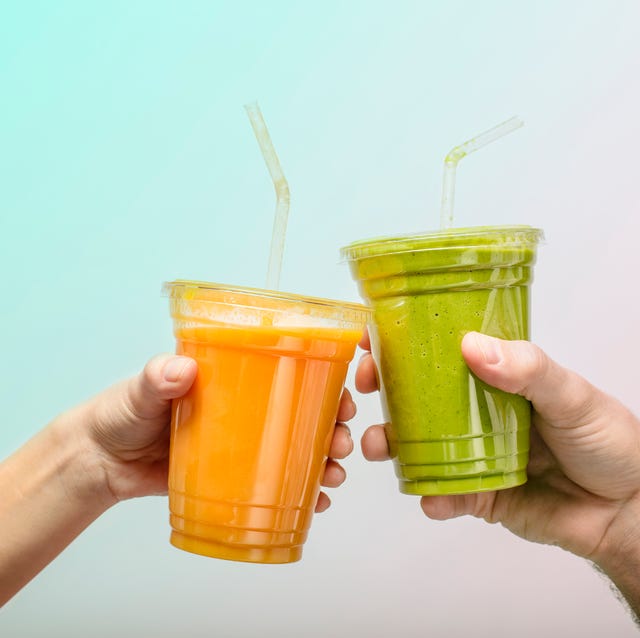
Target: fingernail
(490,348)
(174,368)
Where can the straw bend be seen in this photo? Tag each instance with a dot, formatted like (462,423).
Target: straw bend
(282,194)
(457,153)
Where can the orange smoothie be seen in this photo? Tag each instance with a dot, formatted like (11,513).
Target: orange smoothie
(249,442)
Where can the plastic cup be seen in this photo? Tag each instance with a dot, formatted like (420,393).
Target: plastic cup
(249,441)
(448,432)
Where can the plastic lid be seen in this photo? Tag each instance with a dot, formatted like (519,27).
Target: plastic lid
(516,236)
(199,294)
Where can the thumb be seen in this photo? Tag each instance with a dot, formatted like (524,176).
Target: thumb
(165,377)
(559,395)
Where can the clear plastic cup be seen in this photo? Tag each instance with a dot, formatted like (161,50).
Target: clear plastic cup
(448,431)
(249,441)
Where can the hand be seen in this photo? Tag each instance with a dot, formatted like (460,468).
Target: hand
(113,447)
(130,425)
(583,492)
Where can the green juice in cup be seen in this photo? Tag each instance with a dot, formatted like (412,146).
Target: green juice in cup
(448,432)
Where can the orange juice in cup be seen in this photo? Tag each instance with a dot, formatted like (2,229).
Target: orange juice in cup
(249,441)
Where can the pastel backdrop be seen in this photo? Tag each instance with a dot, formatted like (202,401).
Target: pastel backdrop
(126,159)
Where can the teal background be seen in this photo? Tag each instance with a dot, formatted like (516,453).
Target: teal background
(126,159)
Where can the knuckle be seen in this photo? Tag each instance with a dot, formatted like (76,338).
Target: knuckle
(533,365)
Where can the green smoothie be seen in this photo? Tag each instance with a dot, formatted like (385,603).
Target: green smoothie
(448,432)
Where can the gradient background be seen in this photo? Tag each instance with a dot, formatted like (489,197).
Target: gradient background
(127,159)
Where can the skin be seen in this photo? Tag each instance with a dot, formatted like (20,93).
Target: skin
(583,492)
(111,448)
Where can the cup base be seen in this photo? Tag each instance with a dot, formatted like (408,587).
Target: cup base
(463,485)
(267,555)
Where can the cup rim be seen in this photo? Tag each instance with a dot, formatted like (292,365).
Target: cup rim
(470,236)
(206,291)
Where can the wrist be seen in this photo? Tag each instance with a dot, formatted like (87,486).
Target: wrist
(80,465)
(618,554)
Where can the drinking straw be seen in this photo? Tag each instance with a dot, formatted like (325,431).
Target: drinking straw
(282,194)
(457,153)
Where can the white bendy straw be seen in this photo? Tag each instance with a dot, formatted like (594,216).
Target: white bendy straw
(282,195)
(457,153)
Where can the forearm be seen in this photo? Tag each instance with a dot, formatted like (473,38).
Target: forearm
(51,491)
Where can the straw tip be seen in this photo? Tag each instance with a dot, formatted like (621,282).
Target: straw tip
(515,122)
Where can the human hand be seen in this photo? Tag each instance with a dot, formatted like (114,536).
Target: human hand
(129,427)
(583,491)
(113,447)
